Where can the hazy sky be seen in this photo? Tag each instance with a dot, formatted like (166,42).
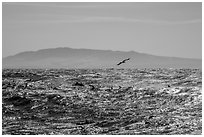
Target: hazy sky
(166,29)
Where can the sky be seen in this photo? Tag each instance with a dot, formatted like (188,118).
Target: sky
(163,29)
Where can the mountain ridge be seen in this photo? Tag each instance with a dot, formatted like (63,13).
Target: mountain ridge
(65,57)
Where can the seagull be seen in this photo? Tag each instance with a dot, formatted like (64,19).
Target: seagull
(123,61)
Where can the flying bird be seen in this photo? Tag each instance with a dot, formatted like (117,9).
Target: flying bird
(123,61)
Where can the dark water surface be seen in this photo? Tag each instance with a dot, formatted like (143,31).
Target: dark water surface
(101,101)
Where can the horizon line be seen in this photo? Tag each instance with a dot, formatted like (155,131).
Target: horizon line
(100,50)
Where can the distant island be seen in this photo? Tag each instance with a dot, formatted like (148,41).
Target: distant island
(70,58)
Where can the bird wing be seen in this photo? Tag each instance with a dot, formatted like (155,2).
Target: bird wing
(119,63)
(127,59)
(123,61)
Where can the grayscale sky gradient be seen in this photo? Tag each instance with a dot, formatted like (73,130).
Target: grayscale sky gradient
(166,29)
